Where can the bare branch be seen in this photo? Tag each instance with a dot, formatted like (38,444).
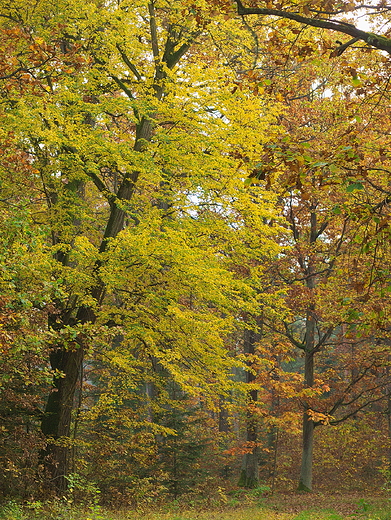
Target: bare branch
(342,47)
(375,40)
(152,24)
(129,63)
(356,410)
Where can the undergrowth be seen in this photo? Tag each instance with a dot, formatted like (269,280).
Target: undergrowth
(239,505)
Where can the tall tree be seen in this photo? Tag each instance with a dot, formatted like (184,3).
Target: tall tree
(319,166)
(128,153)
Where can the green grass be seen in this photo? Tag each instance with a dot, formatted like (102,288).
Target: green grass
(313,514)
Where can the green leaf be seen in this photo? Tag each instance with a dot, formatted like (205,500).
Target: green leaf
(356,82)
(319,164)
(354,186)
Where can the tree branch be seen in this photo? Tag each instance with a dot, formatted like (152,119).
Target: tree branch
(127,61)
(122,86)
(356,410)
(152,25)
(342,47)
(379,42)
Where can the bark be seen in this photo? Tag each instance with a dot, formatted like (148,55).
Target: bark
(305,481)
(273,446)
(388,415)
(66,361)
(273,436)
(223,416)
(56,423)
(249,476)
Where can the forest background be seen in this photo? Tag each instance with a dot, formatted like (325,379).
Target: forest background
(194,253)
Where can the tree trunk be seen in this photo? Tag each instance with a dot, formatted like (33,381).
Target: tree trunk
(223,416)
(388,415)
(57,418)
(249,476)
(273,435)
(305,482)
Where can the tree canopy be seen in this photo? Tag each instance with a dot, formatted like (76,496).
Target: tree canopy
(195,224)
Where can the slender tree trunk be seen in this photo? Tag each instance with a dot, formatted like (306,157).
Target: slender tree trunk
(273,469)
(249,477)
(305,482)
(273,435)
(388,414)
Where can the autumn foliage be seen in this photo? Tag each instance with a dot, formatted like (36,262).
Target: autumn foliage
(194,251)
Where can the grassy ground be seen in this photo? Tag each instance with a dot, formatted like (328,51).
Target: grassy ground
(279,507)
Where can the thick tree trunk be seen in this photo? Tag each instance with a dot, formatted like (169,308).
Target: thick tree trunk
(305,483)
(223,416)
(57,418)
(249,476)
(66,362)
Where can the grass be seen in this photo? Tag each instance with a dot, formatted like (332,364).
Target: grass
(280,507)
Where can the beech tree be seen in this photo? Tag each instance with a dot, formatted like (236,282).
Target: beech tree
(147,213)
(320,166)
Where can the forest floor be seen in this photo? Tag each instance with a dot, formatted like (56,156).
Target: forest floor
(313,506)
(293,507)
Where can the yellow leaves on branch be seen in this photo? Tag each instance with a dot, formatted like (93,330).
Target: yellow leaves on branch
(319,417)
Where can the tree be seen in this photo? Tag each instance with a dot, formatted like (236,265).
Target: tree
(126,157)
(25,286)
(249,476)
(321,200)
